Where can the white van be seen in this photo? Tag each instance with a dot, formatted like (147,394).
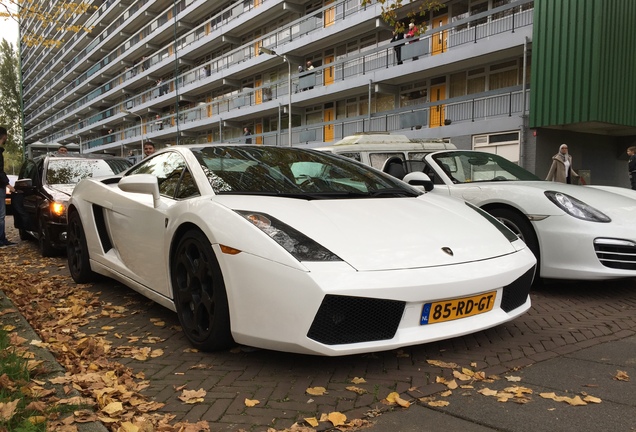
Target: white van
(376,148)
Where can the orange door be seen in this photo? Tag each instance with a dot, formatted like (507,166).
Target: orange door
(257,48)
(258,130)
(328,77)
(258,94)
(439,38)
(330,115)
(330,14)
(436,117)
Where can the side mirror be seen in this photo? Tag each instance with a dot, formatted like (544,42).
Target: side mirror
(143,184)
(24,185)
(419,179)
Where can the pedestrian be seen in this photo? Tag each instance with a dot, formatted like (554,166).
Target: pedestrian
(398,34)
(158,122)
(308,67)
(247,133)
(4,185)
(149,148)
(411,34)
(631,166)
(561,169)
(62,150)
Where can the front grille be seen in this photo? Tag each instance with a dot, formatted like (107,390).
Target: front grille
(615,253)
(345,320)
(516,294)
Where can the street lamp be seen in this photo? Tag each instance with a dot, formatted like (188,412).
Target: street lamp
(141,130)
(289,87)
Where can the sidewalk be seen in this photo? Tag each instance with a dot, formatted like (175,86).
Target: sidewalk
(589,370)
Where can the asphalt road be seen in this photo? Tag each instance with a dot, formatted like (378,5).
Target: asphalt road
(574,341)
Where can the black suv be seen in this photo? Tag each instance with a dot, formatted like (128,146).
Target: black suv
(46,183)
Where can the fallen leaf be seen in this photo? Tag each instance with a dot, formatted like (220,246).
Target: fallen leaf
(357,380)
(442,364)
(337,418)
(316,391)
(251,402)
(7,410)
(487,392)
(621,376)
(311,421)
(439,403)
(394,398)
(513,378)
(592,399)
(355,389)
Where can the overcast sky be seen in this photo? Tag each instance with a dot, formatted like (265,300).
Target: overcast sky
(9,30)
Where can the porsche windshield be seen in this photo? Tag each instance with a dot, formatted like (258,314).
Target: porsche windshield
(294,172)
(469,166)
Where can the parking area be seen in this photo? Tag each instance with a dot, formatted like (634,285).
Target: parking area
(565,318)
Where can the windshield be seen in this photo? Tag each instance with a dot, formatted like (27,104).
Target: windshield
(293,172)
(71,171)
(470,167)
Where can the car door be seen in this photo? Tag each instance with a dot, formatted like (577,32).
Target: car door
(138,228)
(32,169)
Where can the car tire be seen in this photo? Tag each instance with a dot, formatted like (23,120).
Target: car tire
(520,225)
(46,248)
(199,293)
(24,235)
(77,251)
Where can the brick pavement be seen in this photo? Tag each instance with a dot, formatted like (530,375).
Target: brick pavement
(564,318)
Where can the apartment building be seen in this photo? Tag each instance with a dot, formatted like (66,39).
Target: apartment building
(516,77)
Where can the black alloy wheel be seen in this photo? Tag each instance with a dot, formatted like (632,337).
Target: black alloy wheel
(77,251)
(199,293)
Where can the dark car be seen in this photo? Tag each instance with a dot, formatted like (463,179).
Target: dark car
(46,183)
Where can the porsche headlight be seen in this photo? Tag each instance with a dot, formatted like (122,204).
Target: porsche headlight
(58,208)
(493,220)
(575,207)
(293,241)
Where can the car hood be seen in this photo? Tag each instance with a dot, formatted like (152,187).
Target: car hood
(387,233)
(61,192)
(617,203)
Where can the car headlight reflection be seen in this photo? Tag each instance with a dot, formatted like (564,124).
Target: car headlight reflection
(501,227)
(293,241)
(575,207)
(58,208)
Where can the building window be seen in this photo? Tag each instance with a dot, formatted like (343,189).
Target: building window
(505,144)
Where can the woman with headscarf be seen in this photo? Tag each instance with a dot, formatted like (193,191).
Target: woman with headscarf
(561,169)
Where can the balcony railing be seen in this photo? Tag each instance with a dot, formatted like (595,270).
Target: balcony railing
(342,69)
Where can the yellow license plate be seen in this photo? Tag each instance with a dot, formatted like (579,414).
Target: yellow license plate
(448,310)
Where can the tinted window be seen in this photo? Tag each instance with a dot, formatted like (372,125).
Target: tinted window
(293,172)
(175,181)
(71,171)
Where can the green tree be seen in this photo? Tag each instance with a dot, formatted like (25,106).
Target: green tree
(405,11)
(10,106)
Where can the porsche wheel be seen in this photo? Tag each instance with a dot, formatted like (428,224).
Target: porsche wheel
(199,293)
(46,248)
(77,251)
(521,226)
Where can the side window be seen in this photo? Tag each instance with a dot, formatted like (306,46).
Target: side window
(187,188)
(169,168)
(378,159)
(29,170)
(352,155)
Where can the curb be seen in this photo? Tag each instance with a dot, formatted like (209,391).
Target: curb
(24,329)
